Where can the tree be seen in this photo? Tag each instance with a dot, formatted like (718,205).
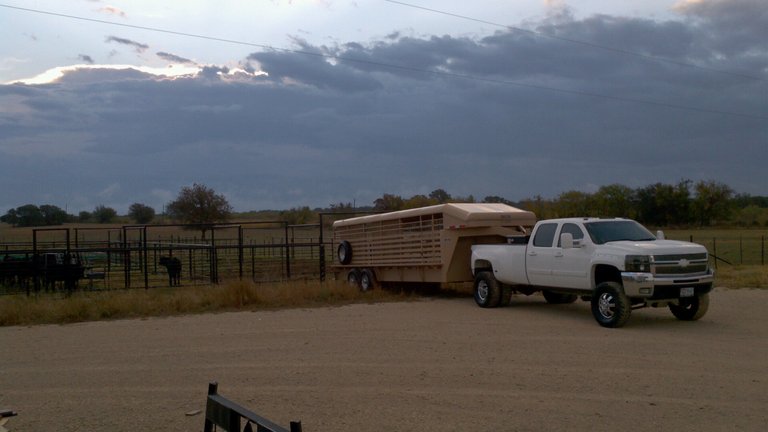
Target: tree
(53,215)
(573,204)
(199,206)
(440,195)
(297,215)
(389,202)
(142,214)
(664,205)
(712,202)
(614,201)
(543,208)
(84,216)
(497,200)
(417,201)
(24,216)
(104,214)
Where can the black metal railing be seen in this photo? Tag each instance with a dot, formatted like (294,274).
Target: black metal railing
(222,412)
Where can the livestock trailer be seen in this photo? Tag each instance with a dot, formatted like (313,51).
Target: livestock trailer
(426,245)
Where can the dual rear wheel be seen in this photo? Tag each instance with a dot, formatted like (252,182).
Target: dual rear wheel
(362,279)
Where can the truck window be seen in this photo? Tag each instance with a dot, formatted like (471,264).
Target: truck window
(573,229)
(622,230)
(545,235)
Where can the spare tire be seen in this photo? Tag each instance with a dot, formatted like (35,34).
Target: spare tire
(344,252)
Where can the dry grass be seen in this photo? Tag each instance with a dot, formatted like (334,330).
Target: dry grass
(242,295)
(233,295)
(741,276)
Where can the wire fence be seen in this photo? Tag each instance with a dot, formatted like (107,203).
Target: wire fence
(132,257)
(737,249)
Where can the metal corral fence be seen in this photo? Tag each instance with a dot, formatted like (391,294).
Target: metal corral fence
(746,248)
(99,258)
(142,256)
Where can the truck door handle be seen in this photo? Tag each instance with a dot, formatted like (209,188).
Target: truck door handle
(559,255)
(532,253)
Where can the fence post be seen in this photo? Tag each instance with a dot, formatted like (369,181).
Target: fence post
(741,251)
(212,389)
(240,256)
(762,250)
(287,254)
(145,252)
(321,251)
(714,249)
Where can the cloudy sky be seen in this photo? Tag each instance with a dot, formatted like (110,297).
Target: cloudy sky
(280,104)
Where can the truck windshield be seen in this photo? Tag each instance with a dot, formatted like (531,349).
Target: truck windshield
(611,231)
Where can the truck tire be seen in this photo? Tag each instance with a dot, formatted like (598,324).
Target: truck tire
(690,309)
(344,252)
(506,296)
(487,290)
(558,298)
(367,280)
(610,306)
(353,278)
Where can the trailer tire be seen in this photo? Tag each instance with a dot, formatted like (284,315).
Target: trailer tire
(487,290)
(558,298)
(610,306)
(690,309)
(367,280)
(344,252)
(353,278)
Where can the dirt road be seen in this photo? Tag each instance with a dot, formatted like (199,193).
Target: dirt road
(431,365)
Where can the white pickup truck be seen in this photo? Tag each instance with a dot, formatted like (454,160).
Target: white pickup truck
(616,264)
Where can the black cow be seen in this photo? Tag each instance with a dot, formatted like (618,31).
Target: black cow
(173,265)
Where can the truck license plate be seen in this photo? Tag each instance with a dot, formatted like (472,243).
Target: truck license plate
(686,292)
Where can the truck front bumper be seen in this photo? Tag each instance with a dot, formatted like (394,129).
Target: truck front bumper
(647,285)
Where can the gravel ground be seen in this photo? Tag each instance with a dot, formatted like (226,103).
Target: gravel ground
(426,365)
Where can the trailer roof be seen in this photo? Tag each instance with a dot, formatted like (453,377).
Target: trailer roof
(461,211)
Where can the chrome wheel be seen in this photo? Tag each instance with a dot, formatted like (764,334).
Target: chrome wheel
(482,291)
(606,305)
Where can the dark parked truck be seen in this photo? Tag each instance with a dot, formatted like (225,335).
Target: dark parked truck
(616,264)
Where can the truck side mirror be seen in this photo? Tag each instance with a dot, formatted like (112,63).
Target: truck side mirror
(566,240)
(660,235)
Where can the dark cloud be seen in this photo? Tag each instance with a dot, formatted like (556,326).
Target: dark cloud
(509,114)
(174,58)
(139,47)
(85,58)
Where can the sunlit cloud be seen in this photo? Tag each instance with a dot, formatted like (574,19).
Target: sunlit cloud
(57,73)
(111,10)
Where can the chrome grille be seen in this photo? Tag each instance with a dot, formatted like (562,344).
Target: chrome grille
(681,264)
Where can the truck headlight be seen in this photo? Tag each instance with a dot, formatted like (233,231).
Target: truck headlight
(637,263)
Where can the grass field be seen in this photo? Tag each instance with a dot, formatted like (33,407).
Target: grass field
(228,296)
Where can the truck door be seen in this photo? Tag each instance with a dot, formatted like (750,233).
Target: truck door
(540,255)
(571,267)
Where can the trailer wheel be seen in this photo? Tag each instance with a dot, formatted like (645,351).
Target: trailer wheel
(353,278)
(367,280)
(344,252)
(487,290)
(690,309)
(558,298)
(610,306)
